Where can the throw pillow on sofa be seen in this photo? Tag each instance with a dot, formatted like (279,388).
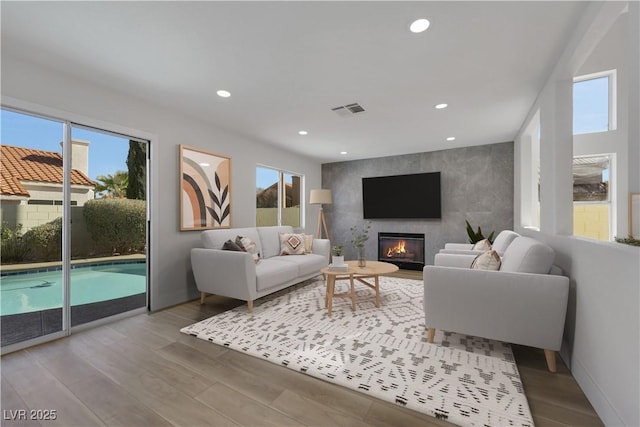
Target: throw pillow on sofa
(482,245)
(489,260)
(250,246)
(230,245)
(292,244)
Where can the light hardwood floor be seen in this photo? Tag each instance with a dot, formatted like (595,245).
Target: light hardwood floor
(142,371)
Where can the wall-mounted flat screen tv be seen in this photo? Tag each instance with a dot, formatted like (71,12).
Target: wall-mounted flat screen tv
(402,196)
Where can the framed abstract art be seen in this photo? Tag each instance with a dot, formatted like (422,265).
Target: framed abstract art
(205,189)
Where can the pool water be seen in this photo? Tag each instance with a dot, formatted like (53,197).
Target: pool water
(29,292)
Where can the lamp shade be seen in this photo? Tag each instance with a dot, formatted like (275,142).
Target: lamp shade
(320,197)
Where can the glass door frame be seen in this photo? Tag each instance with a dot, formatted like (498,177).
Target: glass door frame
(147,307)
(66,228)
(68,122)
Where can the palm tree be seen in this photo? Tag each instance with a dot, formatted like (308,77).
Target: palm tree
(137,170)
(114,185)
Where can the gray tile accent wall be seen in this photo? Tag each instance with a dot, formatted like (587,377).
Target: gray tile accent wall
(477,185)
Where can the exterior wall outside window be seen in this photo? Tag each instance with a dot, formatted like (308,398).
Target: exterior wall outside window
(592,189)
(591,221)
(278,197)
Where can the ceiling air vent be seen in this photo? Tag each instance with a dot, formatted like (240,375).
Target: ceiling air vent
(348,110)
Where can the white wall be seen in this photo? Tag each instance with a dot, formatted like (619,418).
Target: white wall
(611,53)
(602,332)
(43,91)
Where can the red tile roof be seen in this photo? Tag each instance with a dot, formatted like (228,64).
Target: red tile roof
(24,164)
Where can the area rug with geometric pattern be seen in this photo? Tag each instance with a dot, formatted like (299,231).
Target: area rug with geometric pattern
(381,352)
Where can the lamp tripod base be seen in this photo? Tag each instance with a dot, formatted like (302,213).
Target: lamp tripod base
(323,224)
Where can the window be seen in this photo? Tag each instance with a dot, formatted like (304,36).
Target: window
(530,185)
(592,196)
(594,103)
(278,197)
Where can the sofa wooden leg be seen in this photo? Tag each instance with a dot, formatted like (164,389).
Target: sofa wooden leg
(203,295)
(550,355)
(431,333)
(250,306)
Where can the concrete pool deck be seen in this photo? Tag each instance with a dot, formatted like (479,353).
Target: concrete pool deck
(12,268)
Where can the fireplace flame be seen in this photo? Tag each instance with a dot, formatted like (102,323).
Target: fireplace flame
(397,249)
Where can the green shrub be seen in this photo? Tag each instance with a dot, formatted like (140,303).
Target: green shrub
(119,224)
(6,232)
(15,247)
(45,241)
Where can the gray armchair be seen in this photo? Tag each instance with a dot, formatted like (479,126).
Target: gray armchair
(500,245)
(525,302)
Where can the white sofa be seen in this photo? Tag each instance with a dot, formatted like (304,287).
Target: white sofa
(236,275)
(524,302)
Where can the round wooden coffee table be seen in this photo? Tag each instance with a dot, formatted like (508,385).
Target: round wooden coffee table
(372,270)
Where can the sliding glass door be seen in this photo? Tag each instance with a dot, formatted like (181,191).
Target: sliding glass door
(74,227)
(31,210)
(108,225)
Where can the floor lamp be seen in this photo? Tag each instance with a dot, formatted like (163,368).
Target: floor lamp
(321,197)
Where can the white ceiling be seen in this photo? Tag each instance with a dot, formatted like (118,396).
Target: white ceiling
(287,64)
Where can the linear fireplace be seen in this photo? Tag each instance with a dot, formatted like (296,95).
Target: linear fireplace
(406,250)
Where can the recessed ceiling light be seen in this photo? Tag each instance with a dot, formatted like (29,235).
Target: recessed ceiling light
(303,132)
(204,165)
(419,25)
(451,138)
(343,152)
(441,106)
(223,93)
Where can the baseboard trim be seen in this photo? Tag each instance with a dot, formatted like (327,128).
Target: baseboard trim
(598,399)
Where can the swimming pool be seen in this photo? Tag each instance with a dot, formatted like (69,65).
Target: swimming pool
(29,292)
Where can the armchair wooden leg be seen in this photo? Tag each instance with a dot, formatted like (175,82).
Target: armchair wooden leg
(431,333)
(250,306)
(550,355)
(203,295)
